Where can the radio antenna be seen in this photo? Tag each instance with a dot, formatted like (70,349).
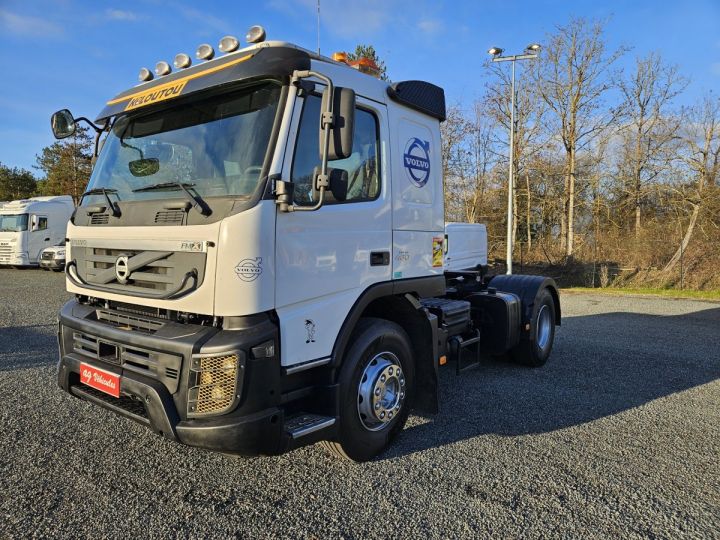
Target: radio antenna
(318,25)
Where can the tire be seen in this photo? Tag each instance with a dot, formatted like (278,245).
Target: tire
(535,349)
(378,348)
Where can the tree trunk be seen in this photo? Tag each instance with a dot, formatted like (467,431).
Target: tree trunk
(570,207)
(685,241)
(527,210)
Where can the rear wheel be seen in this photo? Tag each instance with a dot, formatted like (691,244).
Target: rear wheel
(534,349)
(376,388)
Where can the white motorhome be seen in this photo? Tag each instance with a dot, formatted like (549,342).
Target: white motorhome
(258,263)
(27,226)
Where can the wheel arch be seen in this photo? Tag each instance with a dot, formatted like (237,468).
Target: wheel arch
(527,289)
(398,302)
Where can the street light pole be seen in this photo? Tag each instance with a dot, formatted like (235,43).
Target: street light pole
(531,54)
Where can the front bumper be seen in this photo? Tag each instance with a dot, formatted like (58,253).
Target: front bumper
(53,264)
(149,397)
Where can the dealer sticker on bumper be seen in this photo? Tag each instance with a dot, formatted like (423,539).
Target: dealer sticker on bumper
(100,379)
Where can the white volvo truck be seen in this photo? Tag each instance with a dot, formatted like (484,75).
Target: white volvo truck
(259,260)
(28,226)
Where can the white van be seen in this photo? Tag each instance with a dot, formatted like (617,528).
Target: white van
(28,226)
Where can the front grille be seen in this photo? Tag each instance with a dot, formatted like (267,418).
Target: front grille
(156,273)
(6,251)
(157,365)
(170,217)
(128,404)
(47,256)
(99,219)
(127,321)
(158,276)
(215,384)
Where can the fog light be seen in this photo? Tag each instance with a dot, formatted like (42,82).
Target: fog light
(214,381)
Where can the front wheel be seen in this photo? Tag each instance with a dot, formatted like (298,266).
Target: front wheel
(376,389)
(534,349)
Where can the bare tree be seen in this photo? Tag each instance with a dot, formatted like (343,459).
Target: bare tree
(529,112)
(572,77)
(702,157)
(649,130)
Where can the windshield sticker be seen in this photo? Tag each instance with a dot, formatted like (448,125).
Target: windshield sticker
(249,269)
(437,251)
(159,93)
(417,161)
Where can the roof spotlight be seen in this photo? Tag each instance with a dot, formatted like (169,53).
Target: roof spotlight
(229,44)
(182,61)
(204,52)
(534,47)
(162,68)
(255,34)
(145,75)
(495,51)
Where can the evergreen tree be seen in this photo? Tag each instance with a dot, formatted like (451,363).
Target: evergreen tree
(16,183)
(369,52)
(67,165)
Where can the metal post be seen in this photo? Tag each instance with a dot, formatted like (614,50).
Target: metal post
(511,179)
(318,25)
(530,55)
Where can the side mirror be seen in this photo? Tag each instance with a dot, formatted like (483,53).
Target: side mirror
(63,124)
(341,135)
(338,179)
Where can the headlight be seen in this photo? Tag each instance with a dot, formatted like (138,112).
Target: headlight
(60,254)
(214,383)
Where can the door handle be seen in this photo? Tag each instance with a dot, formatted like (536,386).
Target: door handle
(379,258)
(47,239)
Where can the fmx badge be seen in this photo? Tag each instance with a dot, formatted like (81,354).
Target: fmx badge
(249,269)
(416,160)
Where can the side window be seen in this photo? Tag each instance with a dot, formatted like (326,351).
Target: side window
(42,223)
(361,167)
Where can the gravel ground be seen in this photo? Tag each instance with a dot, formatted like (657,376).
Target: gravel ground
(617,436)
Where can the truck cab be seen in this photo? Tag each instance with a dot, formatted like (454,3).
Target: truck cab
(28,226)
(253,251)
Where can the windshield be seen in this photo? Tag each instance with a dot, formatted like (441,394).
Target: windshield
(13,222)
(217,146)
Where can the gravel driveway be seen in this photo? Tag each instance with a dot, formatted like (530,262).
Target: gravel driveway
(618,435)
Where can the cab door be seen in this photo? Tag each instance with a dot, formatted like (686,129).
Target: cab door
(326,258)
(39,237)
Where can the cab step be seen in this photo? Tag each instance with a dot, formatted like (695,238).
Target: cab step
(305,424)
(458,343)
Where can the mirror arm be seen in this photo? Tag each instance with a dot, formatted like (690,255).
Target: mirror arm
(97,129)
(328,120)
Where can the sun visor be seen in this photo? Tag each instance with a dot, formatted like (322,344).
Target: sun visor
(273,62)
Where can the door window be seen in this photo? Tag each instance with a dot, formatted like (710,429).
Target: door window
(362,168)
(42,223)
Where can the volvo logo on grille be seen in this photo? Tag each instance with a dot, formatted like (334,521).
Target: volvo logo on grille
(122,270)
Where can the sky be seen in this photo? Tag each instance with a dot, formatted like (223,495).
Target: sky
(78,54)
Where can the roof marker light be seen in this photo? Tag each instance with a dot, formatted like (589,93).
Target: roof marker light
(229,44)
(182,61)
(340,57)
(255,34)
(145,75)
(162,68)
(204,52)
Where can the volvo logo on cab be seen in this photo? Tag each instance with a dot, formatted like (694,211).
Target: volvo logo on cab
(416,160)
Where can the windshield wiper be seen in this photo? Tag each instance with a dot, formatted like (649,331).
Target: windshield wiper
(104,191)
(198,203)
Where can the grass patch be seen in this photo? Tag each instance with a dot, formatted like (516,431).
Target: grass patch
(649,291)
